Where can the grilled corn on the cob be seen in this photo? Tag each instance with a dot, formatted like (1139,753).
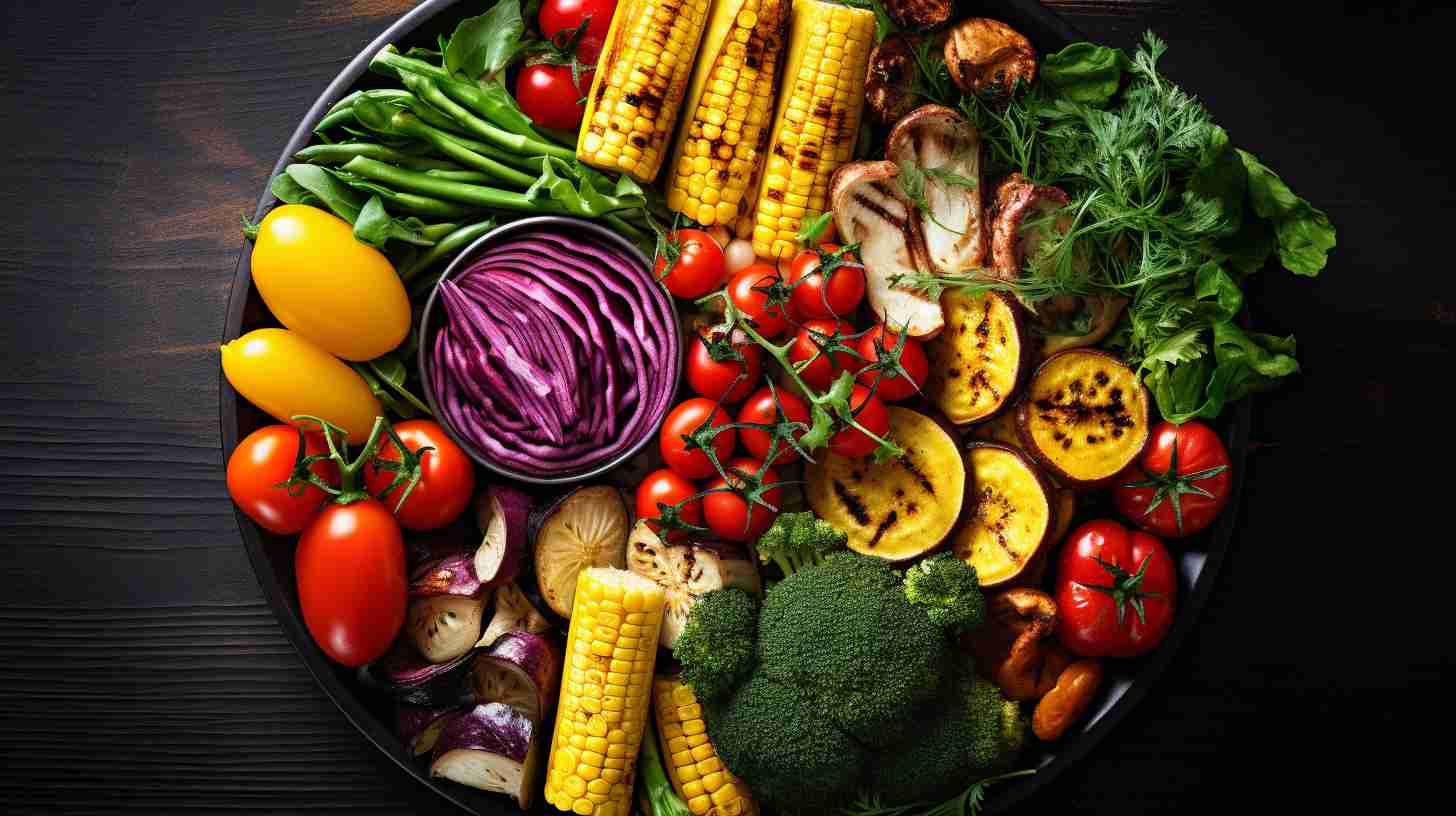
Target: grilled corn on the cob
(724,132)
(697,774)
(639,84)
(817,119)
(605,692)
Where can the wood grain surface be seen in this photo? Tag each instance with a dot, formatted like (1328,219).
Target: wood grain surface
(141,670)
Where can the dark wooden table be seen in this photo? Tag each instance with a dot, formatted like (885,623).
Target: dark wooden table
(141,670)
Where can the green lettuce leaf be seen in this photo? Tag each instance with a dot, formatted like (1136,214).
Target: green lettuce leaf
(1305,235)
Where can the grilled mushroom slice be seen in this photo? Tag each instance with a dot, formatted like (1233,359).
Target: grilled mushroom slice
(987,57)
(889,82)
(936,138)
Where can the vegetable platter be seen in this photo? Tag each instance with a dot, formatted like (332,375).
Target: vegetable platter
(739,406)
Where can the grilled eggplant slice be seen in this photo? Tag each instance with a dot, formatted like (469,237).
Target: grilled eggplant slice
(521,670)
(444,627)
(492,747)
(502,513)
(1010,514)
(988,58)
(1085,416)
(515,611)
(936,138)
(585,528)
(890,83)
(898,510)
(407,676)
(418,727)
(869,210)
(977,362)
(686,572)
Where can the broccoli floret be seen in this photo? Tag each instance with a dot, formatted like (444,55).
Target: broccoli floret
(773,735)
(799,540)
(948,590)
(846,630)
(716,647)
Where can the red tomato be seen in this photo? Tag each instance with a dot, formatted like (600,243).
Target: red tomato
(727,513)
(726,380)
(892,386)
(546,94)
(813,297)
(667,487)
(698,268)
(747,291)
(1179,485)
(1121,606)
(683,421)
(868,411)
(759,408)
(264,460)
(351,580)
(824,368)
(447,477)
(563,17)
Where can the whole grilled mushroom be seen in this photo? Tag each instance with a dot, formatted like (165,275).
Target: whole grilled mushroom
(891,76)
(987,57)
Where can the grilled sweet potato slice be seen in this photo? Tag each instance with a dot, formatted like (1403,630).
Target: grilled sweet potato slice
(976,363)
(900,509)
(1010,513)
(1085,416)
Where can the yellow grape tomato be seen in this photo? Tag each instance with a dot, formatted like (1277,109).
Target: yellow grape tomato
(286,375)
(321,282)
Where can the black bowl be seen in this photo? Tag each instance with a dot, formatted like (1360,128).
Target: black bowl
(1128,681)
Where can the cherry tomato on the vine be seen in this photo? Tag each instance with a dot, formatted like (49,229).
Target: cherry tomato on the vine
(560,18)
(447,477)
(351,580)
(813,297)
(1116,590)
(1180,483)
(665,486)
(724,380)
(748,291)
(262,462)
(546,93)
(727,513)
(698,268)
(869,412)
(682,422)
(759,408)
(878,343)
(823,367)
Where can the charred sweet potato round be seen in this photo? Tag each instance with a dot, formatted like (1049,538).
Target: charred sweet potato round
(1010,513)
(977,361)
(1085,416)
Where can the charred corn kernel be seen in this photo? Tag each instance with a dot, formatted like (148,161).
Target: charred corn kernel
(639,83)
(729,104)
(587,773)
(697,774)
(817,121)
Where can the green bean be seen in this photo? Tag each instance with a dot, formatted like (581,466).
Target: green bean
(435,233)
(400,200)
(390,121)
(449,245)
(475,195)
(430,92)
(343,151)
(490,101)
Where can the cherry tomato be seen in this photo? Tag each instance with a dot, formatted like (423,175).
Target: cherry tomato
(563,17)
(667,487)
(1180,483)
(893,387)
(447,477)
(682,422)
(746,289)
(725,380)
(698,268)
(547,95)
(868,411)
(813,297)
(759,408)
(1120,606)
(264,460)
(824,368)
(351,580)
(727,513)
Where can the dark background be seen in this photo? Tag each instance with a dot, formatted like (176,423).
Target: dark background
(141,669)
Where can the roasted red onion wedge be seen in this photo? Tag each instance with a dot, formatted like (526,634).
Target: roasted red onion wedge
(521,670)
(491,747)
(502,513)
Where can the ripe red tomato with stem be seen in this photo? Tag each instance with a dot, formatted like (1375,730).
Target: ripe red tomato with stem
(824,348)
(691,263)
(867,409)
(727,512)
(258,469)
(880,345)
(688,421)
(1180,484)
(547,94)
(713,371)
(817,295)
(760,409)
(351,580)
(667,487)
(446,479)
(560,19)
(758,292)
(1116,591)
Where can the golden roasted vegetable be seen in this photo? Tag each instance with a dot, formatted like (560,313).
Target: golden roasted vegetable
(1010,513)
(639,84)
(816,122)
(1085,416)
(976,363)
(693,766)
(899,509)
(724,132)
(988,58)
(605,692)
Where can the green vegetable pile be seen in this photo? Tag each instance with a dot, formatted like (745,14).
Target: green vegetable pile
(846,685)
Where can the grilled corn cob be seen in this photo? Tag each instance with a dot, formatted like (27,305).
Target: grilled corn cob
(697,774)
(605,692)
(724,135)
(817,120)
(639,84)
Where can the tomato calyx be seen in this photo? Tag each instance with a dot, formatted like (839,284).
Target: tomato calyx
(560,49)
(1170,486)
(782,429)
(828,345)
(407,469)
(669,246)
(1124,588)
(752,488)
(887,363)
